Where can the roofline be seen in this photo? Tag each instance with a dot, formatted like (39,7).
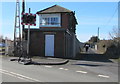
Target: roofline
(52,12)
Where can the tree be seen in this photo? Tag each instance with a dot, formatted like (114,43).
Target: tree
(94,39)
(115,34)
(113,49)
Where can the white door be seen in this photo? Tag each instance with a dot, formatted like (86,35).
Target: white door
(49,45)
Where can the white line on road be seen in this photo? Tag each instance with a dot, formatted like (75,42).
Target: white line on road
(81,72)
(104,76)
(24,79)
(66,69)
(61,68)
(48,66)
(14,76)
(18,75)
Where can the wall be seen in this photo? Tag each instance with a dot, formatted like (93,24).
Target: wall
(59,44)
(69,45)
(78,46)
(64,20)
(37,43)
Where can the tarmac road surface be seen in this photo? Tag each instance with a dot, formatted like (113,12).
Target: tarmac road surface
(74,71)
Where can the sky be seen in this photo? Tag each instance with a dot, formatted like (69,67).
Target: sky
(89,15)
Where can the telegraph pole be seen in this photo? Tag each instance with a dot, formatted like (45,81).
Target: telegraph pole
(98,33)
(23,26)
(119,19)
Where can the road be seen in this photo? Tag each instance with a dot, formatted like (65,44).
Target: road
(74,71)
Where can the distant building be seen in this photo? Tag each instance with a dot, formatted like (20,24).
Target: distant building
(2,46)
(9,47)
(56,36)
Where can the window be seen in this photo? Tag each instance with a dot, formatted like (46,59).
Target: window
(54,21)
(50,20)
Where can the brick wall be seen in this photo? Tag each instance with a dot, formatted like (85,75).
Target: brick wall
(37,43)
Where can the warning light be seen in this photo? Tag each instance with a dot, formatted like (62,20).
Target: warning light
(28,19)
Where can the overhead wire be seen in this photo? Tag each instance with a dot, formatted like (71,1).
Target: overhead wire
(108,22)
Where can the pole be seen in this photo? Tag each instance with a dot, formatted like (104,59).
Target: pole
(98,32)
(118,24)
(98,35)
(28,40)
(23,26)
(118,19)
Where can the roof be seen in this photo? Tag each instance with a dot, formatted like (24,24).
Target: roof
(54,9)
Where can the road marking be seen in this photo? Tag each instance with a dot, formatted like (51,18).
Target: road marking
(81,72)
(66,69)
(104,76)
(61,68)
(8,74)
(48,66)
(15,76)
(24,79)
(18,75)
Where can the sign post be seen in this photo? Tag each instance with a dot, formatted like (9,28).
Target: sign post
(30,20)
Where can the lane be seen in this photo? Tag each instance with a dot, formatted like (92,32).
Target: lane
(61,73)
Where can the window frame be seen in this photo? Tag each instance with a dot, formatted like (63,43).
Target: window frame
(50,16)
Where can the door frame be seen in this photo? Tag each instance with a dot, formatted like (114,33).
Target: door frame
(45,44)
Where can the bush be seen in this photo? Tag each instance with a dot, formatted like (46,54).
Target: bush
(113,51)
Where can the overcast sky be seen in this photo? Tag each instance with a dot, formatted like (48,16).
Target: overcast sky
(90,16)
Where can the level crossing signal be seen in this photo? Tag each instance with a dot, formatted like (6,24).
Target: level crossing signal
(28,19)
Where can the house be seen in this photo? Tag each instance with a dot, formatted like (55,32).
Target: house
(56,36)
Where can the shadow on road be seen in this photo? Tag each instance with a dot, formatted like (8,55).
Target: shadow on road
(93,57)
(91,65)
